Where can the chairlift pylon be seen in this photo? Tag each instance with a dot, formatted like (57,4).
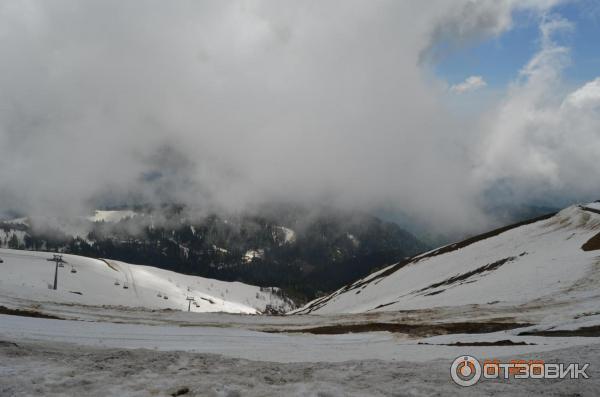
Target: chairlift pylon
(59,262)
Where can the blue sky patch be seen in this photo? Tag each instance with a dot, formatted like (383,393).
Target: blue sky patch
(499,59)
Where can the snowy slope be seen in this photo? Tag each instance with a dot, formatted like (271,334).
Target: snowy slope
(28,275)
(289,236)
(537,263)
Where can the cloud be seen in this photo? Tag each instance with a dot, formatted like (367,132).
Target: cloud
(586,97)
(471,83)
(542,142)
(229,104)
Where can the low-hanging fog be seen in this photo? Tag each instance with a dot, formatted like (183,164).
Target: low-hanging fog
(226,104)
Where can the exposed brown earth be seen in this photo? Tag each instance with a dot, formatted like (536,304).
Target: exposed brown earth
(504,342)
(462,277)
(418,330)
(593,331)
(588,209)
(109,264)
(592,244)
(26,313)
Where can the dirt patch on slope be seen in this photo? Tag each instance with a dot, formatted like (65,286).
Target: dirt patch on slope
(592,244)
(593,331)
(588,209)
(503,342)
(417,330)
(109,264)
(463,277)
(26,313)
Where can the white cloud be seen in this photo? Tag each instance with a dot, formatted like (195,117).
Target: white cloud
(230,103)
(471,83)
(586,97)
(541,142)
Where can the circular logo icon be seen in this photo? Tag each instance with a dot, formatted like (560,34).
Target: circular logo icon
(465,371)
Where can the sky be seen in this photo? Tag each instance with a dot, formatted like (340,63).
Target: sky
(433,109)
(500,58)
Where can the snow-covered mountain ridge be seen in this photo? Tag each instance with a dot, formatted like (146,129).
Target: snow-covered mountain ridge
(551,262)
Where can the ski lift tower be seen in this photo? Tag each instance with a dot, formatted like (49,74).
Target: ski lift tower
(190,299)
(58,259)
